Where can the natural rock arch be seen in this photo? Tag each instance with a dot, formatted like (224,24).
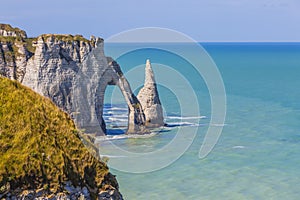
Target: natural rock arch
(97,72)
(114,76)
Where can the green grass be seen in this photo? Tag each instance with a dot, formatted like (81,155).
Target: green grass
(10,39)
(40,146)
(29,43)
(66,38)
(12,42)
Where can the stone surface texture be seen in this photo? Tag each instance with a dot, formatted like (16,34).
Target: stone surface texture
(70,193)
(149,99)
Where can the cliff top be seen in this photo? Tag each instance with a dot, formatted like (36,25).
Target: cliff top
(8,30)
(68,38)
(11,34)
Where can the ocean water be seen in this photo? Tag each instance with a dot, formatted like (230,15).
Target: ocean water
(258,153)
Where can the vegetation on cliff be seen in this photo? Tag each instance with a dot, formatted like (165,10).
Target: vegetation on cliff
(14,38)
(18,32)
(67,38)
(40,146)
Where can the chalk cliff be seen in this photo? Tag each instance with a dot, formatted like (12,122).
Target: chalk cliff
(74,73)
(14,52)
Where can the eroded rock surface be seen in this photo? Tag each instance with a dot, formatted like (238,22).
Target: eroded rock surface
(149,99)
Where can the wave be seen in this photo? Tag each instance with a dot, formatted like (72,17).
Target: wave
(116,119)
(218,125)
(238,147)
(192,117)
(123,136)
(175,124)
(111,156)
(117,108)
(119,115)
(109,111)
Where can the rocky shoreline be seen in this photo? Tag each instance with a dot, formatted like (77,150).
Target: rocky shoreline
(70,193)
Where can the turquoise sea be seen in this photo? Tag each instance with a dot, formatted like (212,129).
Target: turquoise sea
(258,153)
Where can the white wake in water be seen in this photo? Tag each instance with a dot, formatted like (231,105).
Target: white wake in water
(124,136)
(192,117)
(116,119)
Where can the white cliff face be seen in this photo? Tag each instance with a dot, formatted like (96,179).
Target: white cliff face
(13,52)
(13,59)
(21,61)
(73,72)
(6,60)
(53,67)
(149,99)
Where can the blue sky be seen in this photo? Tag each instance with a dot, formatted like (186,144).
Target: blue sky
(209,20)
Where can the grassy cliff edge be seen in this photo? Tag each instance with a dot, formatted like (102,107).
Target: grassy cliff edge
(41,148)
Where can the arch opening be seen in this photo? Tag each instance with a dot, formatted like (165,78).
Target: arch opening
(115,111)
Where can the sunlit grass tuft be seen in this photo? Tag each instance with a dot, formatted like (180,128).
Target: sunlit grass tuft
(40,146)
